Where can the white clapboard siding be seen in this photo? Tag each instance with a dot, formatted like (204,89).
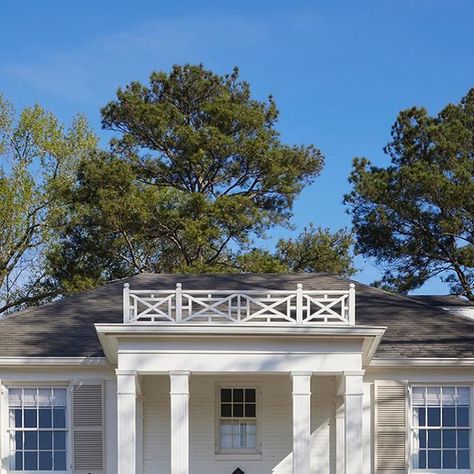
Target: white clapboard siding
(391,431)
(88,421)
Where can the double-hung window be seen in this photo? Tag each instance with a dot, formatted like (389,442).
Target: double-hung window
(441,427)
(38,429)
(237,419)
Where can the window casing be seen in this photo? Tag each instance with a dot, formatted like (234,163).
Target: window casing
(237,419)
(441,427)
(38,428)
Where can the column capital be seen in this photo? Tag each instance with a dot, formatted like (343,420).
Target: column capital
(179,372)
(301,383)
(302,373)
(353,383)
(126,372)
(179,382)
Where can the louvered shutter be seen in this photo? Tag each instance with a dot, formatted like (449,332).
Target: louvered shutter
(88,422)
(391,428)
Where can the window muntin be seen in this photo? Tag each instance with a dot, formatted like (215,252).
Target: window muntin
(441,427)
(38,429)
(238,418)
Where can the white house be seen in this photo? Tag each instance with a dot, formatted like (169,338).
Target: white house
(223,374)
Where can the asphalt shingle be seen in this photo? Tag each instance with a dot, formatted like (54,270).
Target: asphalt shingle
(66,327)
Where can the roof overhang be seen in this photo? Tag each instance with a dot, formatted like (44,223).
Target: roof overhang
(111,334)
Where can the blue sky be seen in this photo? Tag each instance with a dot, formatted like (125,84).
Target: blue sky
(339,70)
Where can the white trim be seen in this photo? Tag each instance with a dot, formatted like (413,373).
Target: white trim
(54,361)
(239,454)
(238,329)
(6,429)
(411,428)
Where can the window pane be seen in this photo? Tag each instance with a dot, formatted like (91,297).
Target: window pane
(46,460)
(60,440)
(18,461)
(449,416)
(226,435)
(449,395)
(463,438)
(16,417)
(251,438)
(29,397)
(464,395)
(59,461)
(463,459)
(14,397)
(434,459)
(250,410)
(59,418)
(238,395)
(44,397)
(31,460)
(418,396)
(449,459)
(46,440)
(30,418)
(31,439)
(463,416)
(226,410)
(45,418)
(238,410)
(433,395)
(59,397)
(226,395)
(434,439)
(419,416)
(449,438)
(422,459)
(434,417)
(250,395)
(18,439)
(422,438)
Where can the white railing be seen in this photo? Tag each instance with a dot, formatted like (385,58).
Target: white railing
(292,307)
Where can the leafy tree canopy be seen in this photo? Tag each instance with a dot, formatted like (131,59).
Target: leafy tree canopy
(38,160)
(416,216)
(196,172)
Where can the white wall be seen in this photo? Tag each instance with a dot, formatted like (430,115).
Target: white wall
(275,424)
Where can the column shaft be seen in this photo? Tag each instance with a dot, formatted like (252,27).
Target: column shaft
(301,422)
(353,398)
(179,393)
(126,422)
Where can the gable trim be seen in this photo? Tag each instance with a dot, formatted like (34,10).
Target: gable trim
(54,361)
(424,362)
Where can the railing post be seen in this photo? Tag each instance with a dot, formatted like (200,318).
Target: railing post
(179,303)
(352,303)
(299,304)
(126,303)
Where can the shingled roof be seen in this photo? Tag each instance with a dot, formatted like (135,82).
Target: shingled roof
(66,327)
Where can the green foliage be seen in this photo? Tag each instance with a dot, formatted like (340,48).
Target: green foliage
(195,173)
(38,157)
(416,216)
(314,250)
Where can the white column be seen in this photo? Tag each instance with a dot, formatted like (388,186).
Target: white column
(126,422)
(353,399)
(340,434)
(179,394)
(301,422)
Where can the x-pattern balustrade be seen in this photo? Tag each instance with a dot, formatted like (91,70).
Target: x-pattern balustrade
(292,307)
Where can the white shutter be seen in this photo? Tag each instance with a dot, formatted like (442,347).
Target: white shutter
(391,428)
(88,433)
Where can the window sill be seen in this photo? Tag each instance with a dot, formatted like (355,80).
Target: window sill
(239,457)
